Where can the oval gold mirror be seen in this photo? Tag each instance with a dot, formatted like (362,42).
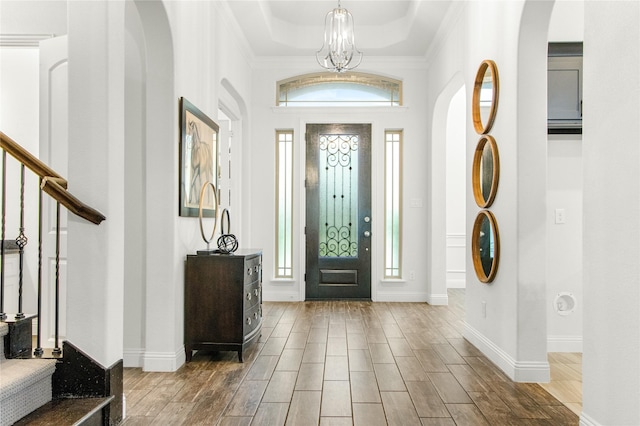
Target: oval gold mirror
(486,171)
(485,246)
(485,96)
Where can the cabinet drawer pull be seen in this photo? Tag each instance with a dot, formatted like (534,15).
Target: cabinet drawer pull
(255,269)
(249,271)
(248,320)
(249,296)
(256,292)
(255,315)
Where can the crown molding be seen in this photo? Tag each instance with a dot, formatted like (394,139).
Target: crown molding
(455,12)
(368,62)
(23,40)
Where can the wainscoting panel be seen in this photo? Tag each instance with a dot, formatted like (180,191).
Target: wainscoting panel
(456,260)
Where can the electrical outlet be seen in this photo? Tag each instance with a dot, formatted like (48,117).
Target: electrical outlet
(412,275)
(484,309)
(560,216)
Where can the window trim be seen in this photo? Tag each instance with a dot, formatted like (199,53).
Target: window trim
(290,255)
(373,80)
(387,132)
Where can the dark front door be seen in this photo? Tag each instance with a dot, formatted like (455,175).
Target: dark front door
(338,197)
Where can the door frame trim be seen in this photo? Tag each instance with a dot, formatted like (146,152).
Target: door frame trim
(377,162)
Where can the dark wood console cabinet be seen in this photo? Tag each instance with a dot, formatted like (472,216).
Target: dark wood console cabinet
(222,301)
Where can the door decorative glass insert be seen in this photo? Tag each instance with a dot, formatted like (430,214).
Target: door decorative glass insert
(338,187)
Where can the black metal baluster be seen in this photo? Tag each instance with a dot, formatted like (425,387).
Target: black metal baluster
(3,315)
(21,241)
(38,350)
(57,350)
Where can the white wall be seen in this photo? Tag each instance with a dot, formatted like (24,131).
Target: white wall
(199,73)
(135,246)
(513,332)
(567,21)
(36,17)
(266,118)
(611,131)
(19,81)
(564,246)
(161,239)
(456,184)
(128,167)
(564,186)
(96,150)
(444,79)
(19,119)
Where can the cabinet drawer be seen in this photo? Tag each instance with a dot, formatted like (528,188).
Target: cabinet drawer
(252,318)
(252,294)
(252,269)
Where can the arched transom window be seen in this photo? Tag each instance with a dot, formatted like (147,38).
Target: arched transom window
(331,89)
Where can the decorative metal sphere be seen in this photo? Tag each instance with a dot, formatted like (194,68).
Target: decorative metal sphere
(227,243)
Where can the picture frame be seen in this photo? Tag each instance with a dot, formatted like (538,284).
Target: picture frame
(198,160)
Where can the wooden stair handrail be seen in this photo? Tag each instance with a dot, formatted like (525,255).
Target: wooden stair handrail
(52,183)
(26,158)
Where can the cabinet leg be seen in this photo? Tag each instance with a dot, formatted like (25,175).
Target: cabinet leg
(188,353)
(240,355)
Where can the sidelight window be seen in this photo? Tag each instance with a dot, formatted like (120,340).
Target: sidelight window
(284,203)
(392,204)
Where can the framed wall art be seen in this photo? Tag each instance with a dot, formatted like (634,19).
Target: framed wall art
(198,160)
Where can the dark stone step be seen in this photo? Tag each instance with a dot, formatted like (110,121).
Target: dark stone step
(69,411)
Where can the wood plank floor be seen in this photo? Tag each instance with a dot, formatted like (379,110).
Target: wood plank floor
(345,363)
(566,379)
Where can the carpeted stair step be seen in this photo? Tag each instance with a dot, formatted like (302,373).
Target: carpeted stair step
(25,384)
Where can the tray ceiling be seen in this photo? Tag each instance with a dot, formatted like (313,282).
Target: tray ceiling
(382,27)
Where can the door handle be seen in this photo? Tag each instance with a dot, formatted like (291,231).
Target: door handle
(367,234)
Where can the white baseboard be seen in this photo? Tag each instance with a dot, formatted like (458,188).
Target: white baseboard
(384,296)
(456,283)
(528,371)
(133,358)
(438,299)
(280,296)
(163,361)
(564,344)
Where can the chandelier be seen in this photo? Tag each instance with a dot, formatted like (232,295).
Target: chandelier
(339,47)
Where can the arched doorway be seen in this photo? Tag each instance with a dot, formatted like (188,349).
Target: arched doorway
(150,148)
(456,184)
(438,276)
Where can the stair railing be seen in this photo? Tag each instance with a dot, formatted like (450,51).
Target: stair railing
(56,187)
